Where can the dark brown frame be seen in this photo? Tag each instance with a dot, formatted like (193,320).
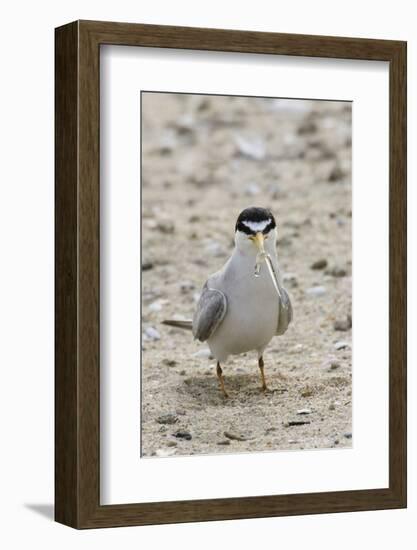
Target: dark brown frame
(77,373)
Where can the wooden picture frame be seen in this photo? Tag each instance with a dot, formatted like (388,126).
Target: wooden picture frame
(77,373)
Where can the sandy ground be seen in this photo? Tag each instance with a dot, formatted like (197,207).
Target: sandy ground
(205,159)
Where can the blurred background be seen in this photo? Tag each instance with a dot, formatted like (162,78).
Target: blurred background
(204,159)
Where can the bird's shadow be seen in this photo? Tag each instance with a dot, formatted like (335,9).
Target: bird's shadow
(45,510)
(242,389)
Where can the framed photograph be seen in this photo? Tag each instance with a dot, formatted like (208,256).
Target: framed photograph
(230,274)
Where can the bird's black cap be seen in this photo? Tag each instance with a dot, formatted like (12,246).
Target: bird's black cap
(255,219)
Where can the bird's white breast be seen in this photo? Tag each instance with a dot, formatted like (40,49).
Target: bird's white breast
(252,308)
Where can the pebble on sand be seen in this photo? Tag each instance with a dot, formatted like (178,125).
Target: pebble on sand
(146,266)
(203,354)
(296,423)
(151,334)
(341,345)
(165,226)
(304,411)
(316,291)
(168,418)
(169,362)
(155,306)
(183,435)
(251,148)
(319,264)
(307,127)
(343,324)
(237,437)
(336,174)
(336,271)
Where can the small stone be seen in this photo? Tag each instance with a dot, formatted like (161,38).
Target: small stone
(307,127)
(304,411)
(334,365)
(332,407)
(183,435)
(343,324)
(182,372)
(341,345)
(168,418)
(203,354)
(166,227)
(319,264)
(348,435)
(251,148)
(336,174)
(151,334)
(155,306)
(237,437)
(336,271)
(185,124)
(224,442)
(204,105)
(336,442)
(171,443)
(167,143)
(316,291)
(146,266)
(296,423)
(169,362)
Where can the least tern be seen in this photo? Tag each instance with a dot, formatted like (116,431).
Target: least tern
(244,305)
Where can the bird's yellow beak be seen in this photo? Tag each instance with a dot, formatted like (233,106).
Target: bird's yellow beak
(259,239)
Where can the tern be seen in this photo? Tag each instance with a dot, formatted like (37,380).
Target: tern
(244,305)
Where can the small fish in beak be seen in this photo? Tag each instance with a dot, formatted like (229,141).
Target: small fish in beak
(263,256)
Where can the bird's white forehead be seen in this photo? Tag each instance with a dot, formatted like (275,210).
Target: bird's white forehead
(257,226)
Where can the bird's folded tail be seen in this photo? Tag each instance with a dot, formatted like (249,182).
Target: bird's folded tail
(187,325)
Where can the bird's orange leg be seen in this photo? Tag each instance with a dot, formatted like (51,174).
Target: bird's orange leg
(261,368)
(221,379)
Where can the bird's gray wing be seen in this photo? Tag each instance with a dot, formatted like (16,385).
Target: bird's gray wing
(210,312)
(285,311)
